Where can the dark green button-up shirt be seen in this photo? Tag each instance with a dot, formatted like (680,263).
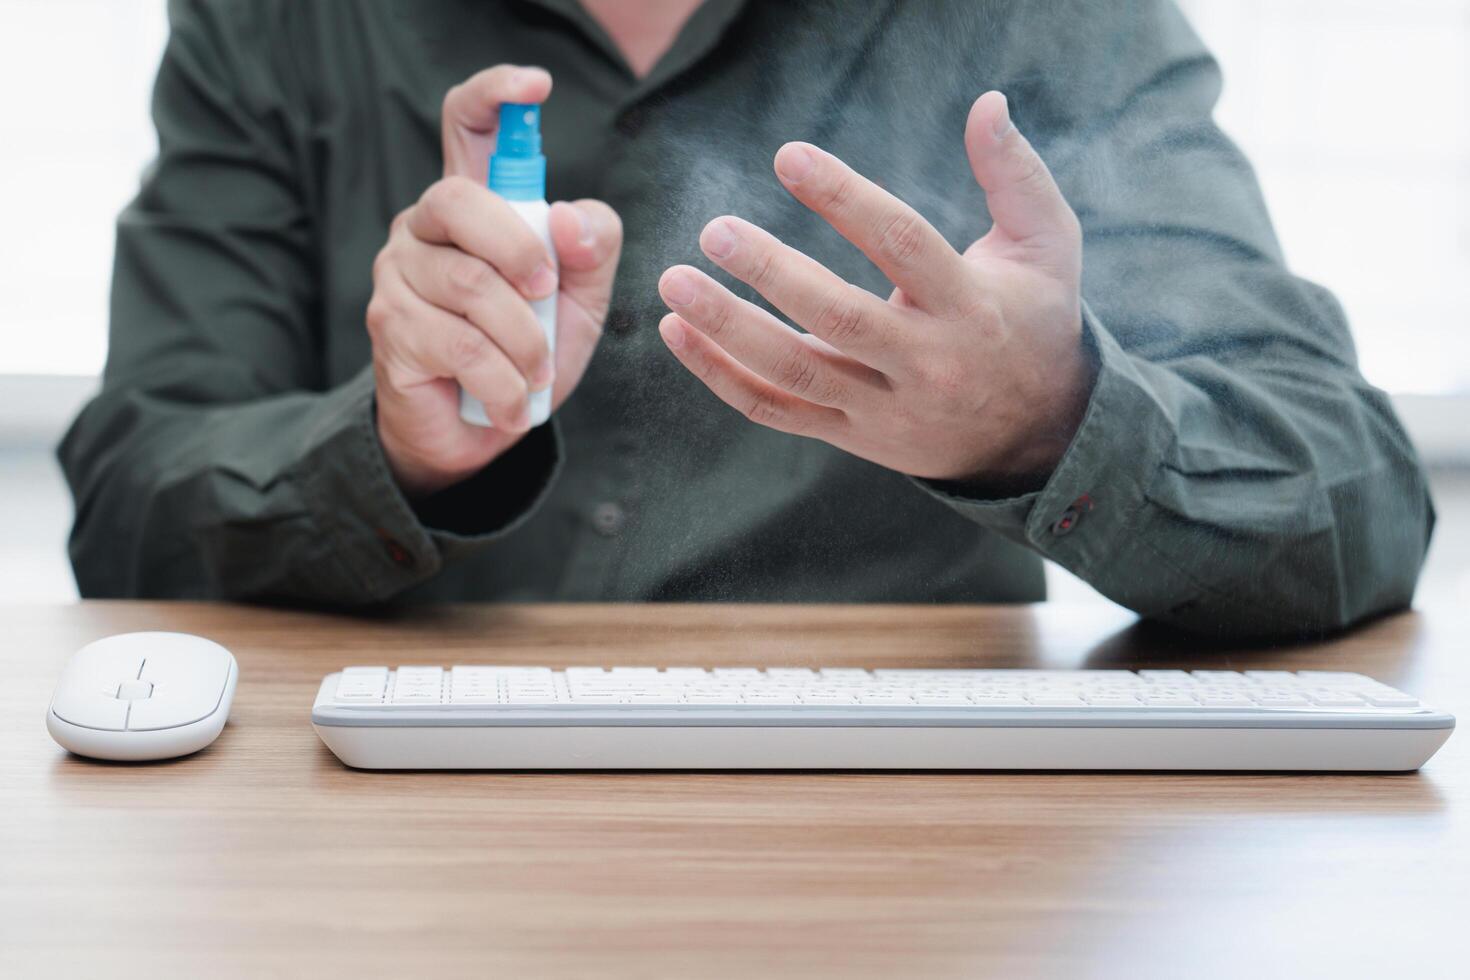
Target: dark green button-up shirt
(1234,472)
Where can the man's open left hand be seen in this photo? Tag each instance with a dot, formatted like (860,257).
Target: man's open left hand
(972,369)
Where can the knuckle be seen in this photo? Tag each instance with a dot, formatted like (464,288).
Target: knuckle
(468,350)
(837,195)
(447,196)
(382,263)
(763,409)
(708,371)
(378,316)
(796,372)
(469,276)
(901,236)
(763,270)
(839,318)
(717,323)
(509,399)
(1031,171)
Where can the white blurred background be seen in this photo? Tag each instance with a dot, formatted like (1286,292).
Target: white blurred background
(1356,114)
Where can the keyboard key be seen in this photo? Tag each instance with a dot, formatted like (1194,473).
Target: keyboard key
(1172,677)
(1390,699)
(1000,700)
(885,697)
(771,697)
(1169,699)
(1112,700)
(818,697)
(1335,699)
(1278,699)
(1336,679)
(790,674)
(685,674)
(1275,678)
(362,684)
(668,696)
(1219,677)
(1056,700)
(846,675)
(1225,699)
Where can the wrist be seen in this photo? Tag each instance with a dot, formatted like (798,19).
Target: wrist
(1050,422)
(416,475)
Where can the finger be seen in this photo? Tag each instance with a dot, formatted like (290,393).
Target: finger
(763,343)
(909,251)
(422,342)
(850,319)
(588,237)
(742,389)
(456,212)
(1024,200)
(460,283)
(471,114)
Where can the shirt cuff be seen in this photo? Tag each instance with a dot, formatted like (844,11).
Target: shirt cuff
(1088,514)
(383,543)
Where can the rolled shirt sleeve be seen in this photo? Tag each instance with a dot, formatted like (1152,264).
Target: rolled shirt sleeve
(1162,505)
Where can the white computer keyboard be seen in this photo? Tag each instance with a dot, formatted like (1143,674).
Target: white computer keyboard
(484,717)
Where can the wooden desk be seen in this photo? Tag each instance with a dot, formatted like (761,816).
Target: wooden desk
(262,856)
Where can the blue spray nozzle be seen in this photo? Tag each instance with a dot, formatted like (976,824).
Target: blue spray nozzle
(517,168)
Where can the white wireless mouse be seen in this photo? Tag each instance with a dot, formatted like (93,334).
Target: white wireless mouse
(140,696)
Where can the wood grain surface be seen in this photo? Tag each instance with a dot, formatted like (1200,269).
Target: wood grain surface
(262,856)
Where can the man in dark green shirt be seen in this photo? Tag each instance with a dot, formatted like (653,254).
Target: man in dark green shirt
(1118,374)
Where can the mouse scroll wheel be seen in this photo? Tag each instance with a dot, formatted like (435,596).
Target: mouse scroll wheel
(134,690)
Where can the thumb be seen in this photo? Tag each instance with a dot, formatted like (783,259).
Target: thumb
(588,236)
(471,115)
(1024,200)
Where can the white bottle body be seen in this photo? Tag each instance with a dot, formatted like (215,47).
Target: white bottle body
(537,214)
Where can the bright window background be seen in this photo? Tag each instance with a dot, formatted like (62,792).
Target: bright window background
(1356,113)
(75,79)
(1357,117)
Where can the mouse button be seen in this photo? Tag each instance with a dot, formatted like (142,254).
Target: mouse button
(90,708)
(86,695)
(187,686)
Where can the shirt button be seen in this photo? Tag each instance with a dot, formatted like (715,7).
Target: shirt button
(397,553)
(607,518)
(1065,523)
(1072,515)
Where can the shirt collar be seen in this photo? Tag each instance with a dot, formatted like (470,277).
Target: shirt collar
(698,37)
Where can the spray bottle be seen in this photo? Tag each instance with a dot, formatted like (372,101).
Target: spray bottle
(518,174)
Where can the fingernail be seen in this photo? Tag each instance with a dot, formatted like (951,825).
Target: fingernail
(719,241)
(542,282)
(1003,125)
(524,76)
(672,331)
(794,162)
(584,227)
(522,420)
(543,376)
(678,290)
